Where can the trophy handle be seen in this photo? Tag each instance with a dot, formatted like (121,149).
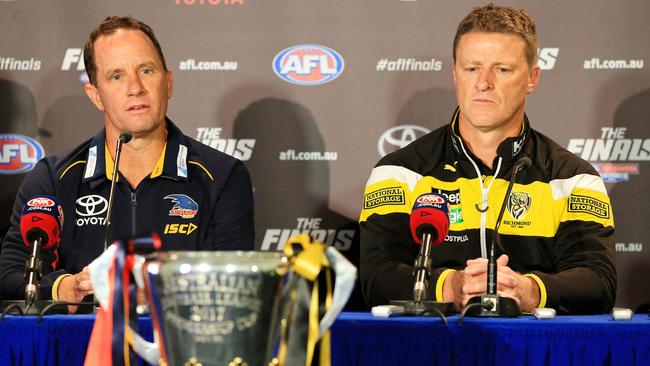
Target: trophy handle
(345,273)
(149,351)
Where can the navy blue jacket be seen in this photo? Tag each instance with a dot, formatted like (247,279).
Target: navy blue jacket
(196,198)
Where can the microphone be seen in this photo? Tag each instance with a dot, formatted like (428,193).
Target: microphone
(429,224)
(491,304)
(40,227)
(123,139)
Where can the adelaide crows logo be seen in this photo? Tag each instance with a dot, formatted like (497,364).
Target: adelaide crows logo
(519,204)
(184,206)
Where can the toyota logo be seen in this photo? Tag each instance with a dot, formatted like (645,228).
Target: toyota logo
(91,205)
(399,136)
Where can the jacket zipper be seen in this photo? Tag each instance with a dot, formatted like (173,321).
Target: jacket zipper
(484,198)
(134,204)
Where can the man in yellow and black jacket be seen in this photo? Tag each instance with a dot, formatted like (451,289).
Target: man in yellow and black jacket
(557,230)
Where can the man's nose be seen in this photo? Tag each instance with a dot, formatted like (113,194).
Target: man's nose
(485,80)
(136,87)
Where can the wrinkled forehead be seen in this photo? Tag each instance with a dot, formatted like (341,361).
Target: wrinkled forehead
(125,46)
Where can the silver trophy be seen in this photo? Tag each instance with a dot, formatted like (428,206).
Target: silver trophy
(224,308)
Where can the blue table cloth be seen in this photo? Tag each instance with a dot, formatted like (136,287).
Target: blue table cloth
(360,339)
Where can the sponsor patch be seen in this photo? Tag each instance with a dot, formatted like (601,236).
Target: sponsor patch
(383,197)
(588,205)
(185,229)
(90,209)
(184,206)
(456,216)
(519,204)
(181,161)
(453,196)
(92,162)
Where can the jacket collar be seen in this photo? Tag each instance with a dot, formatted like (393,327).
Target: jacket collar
(171,164)
(509,149)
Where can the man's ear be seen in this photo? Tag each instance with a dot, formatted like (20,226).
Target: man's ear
(93,95)
(533,78)
(170,83)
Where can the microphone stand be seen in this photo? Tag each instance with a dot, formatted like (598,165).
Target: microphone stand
(123,139)
(31,305)
(422,272)
(33,274)
(491,304)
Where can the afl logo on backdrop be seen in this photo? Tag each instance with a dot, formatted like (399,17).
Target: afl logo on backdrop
(18,153)
(308,64)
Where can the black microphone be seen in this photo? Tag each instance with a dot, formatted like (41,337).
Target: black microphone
(491,304)
(123,139)
(40,226)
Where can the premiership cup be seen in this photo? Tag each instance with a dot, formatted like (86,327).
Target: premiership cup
(215,308)
(228,308)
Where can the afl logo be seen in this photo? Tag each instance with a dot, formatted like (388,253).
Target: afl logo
(40,202)
(308,64)
(18,153)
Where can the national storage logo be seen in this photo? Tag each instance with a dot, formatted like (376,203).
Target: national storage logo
(384,196)
(308,64)
(19,153)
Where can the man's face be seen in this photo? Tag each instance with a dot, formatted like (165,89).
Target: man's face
(492,80)
(133,88)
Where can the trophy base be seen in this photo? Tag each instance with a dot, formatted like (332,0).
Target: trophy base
(495,307)
(39,307)
(425,308)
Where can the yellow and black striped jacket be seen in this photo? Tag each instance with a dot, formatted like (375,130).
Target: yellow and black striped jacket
(557,228)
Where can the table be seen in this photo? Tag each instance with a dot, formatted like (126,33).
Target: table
(360,339)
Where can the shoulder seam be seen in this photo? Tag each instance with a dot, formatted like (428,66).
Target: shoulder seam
(202,167)
(70,166)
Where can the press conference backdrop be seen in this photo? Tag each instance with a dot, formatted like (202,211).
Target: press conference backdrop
(310,94)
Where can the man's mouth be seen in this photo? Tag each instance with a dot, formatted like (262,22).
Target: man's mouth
(137,107)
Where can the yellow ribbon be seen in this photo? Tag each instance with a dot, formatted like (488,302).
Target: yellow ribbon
(308,263)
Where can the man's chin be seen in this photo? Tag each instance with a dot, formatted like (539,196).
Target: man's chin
(482,118)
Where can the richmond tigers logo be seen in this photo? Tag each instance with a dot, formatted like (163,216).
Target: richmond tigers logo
(519,204)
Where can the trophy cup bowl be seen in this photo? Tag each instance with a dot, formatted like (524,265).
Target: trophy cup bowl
(215,308)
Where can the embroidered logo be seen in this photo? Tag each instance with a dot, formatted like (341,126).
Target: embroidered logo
(384,196)
(588,205)
(519,204)
(184,206)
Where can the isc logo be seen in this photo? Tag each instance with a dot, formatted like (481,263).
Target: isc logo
(186,229)
(18,153)
(308,64)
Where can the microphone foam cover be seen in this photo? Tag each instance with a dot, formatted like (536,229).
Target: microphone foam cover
(430,213)
(42,217)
